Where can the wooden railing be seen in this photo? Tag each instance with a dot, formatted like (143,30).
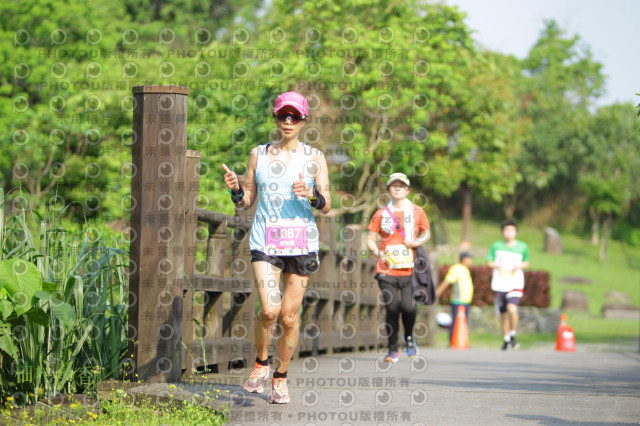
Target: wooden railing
(192,303)
(218,309)
(340,309)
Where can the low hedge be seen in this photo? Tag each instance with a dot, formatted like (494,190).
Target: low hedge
(536,287)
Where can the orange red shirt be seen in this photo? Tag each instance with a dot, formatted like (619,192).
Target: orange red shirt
(421,224)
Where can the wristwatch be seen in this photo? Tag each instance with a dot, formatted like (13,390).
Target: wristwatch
(314,198)
(236,197)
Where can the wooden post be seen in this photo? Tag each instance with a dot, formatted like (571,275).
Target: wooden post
(350,297)
(158,219)
(371,313)
(213,312)
(242,328)
(432,310)
(327,280)
(191,225)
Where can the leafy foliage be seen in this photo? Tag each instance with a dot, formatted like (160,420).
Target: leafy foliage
(63,310)
(393,87)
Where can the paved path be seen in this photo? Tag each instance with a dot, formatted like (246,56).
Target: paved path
(444,386)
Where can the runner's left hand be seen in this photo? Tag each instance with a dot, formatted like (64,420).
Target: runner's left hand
(410,244)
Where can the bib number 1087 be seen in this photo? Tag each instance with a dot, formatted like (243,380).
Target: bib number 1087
(290,233)
(287,240)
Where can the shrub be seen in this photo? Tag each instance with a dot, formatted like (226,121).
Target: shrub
(536,287)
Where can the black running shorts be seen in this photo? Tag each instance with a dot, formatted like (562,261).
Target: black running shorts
(302,265)
(501,300)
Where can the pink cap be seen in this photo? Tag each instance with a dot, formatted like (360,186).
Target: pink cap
(294,99)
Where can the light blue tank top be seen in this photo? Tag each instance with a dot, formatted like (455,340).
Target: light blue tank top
(278,208)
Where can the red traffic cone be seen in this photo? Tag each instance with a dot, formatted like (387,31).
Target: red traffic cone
(460,338)
(565,339)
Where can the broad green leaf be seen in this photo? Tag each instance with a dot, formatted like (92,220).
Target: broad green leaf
(49,287)
(42,294)
(7,344)
(21,279)
(6,308)
(38,316)
(61,310)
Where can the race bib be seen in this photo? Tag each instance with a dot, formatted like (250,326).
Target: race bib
(287,238)
(506,277)
(399,256)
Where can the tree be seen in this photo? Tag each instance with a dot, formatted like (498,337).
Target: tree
(562,81)
(609,178)
(488,132)
(58,124)
(65,98)
(400,88)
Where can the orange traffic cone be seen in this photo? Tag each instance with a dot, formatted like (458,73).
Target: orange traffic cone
(565,339)
(460,338)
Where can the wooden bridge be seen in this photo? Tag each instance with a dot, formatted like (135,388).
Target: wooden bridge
(192,302)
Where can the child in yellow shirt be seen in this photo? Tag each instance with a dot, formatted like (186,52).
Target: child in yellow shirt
(460,277)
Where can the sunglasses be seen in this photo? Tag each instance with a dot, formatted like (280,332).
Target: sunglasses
(284,116)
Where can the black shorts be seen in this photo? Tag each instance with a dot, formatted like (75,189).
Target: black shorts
(302,265)
(501,300)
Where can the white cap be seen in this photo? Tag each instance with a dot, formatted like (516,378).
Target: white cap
(398,176)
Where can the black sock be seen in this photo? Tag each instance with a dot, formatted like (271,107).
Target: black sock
(279,375)
(261,362)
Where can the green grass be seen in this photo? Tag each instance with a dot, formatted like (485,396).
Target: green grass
(120,410)
(580,258)
(486,340)
(621,272)
(151,415)
(588,329)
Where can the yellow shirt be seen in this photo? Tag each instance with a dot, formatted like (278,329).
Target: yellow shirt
(460,277)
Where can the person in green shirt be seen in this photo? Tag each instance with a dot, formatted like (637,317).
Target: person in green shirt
(508,258)
(460,276)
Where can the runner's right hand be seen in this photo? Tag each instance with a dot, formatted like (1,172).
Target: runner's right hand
(382,255)
(231,179)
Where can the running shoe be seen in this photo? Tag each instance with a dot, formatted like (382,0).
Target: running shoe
(279,391)
(514,345)
(505,345)
(255,382)
(412,347)
(392,356)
